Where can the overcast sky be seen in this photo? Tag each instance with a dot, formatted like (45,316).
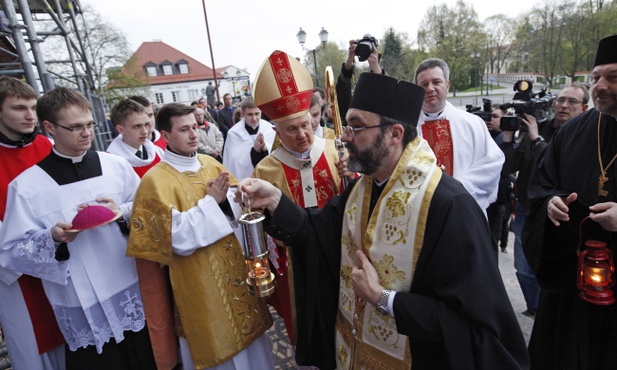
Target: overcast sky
(244,32)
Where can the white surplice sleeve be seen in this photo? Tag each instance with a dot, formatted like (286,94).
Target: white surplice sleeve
(35,255)
(198,227)
(27,246)
(477,159)
(481,177)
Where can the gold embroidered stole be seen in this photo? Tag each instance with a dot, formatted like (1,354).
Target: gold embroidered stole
(439,137)
(219,316)
(392,239)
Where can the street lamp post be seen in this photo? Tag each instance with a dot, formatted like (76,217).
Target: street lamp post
(475,55)
(323,37)
(233,81)
(487,77)
(238,74)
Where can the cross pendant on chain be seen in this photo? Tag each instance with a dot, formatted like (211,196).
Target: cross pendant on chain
(601,180)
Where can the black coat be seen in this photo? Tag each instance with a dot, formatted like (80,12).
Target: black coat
(569,333)
(457,313)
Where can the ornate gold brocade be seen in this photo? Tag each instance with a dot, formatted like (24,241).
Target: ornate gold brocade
(439,137)
(392,239)
(219,316)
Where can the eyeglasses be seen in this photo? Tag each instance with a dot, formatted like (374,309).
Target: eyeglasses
(348,131)
(568,101)
(78,128)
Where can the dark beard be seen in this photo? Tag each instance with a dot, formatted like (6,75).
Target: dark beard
(367,161)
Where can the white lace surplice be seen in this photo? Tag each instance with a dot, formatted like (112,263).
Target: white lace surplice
(95,293)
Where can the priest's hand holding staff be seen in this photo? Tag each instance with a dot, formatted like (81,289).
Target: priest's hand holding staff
(343,172)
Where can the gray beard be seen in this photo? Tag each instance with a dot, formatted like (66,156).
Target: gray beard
(608,108)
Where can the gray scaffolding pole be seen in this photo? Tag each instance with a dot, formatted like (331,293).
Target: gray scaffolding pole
(20,44)
(89,73)
(57,18)
(46,80)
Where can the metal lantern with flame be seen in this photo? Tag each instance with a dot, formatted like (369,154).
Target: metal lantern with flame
(596,273)
(260,279)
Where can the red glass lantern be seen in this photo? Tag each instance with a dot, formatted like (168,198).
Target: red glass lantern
(596,273)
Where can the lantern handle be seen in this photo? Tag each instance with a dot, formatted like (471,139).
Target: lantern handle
(246,203)
(580,235)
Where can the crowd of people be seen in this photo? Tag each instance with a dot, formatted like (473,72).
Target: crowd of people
(384,254)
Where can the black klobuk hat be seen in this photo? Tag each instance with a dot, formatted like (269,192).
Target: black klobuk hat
(607,51)
(388,97)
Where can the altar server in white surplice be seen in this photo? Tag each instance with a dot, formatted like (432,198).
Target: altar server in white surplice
(90,282)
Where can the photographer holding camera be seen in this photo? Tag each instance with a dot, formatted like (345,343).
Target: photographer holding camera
(366,50)
(521,156)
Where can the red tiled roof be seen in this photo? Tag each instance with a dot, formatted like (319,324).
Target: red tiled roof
(157,52)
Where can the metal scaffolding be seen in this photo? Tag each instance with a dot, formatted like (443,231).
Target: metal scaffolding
(21,36)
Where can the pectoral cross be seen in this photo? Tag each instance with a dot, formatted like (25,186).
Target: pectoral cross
(601,180)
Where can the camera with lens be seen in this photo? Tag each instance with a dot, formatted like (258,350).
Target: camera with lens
(539,105)
(365,47)
(484,111)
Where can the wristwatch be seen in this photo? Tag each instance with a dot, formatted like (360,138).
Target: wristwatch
(538,140)
(382,303)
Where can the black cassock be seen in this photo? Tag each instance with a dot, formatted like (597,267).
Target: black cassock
(568,332)
(457,313)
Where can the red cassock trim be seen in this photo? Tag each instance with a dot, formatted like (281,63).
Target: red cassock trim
(439,137)
(46,330)
(141,171)
(161,144)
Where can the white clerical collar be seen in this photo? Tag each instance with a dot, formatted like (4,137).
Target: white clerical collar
(380,183)
(433,115)
(304,155)
(180,162)
(76,159)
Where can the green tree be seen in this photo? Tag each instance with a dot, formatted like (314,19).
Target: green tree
(124,81)
(577,42)
(499,30)
(393,54)
(105,46)
(453,35)
(550,28)
(523,39)
(328,54)
(604,15)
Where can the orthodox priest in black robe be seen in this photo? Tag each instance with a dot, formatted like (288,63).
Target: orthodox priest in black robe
(400,269)
(575,178)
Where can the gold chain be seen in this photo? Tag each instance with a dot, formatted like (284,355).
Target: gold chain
(602,179)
